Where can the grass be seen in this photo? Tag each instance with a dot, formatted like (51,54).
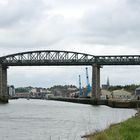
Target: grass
(128,130)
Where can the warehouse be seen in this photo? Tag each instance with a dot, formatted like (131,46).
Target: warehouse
(137,93)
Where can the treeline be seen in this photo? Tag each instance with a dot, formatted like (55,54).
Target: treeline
(65,87)
(21,90)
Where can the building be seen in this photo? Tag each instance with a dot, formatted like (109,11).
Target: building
(74,94)
(23,95)
(107,85)
(11,91)
(72,89)
(105,94)
(36,92)
(137,93)
(121,95)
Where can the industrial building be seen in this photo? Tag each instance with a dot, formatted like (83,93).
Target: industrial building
(137,93)
(121,95)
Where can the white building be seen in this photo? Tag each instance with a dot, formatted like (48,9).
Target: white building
(121,95)
(35,90)
(105,94)
(11,91)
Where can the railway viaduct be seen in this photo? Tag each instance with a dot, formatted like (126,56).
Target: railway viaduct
(62,58)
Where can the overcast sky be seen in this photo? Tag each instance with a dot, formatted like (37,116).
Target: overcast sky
(98,27)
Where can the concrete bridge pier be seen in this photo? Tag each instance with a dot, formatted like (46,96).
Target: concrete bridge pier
(96,81)
(3,84)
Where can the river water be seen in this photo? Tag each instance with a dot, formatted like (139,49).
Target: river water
(53,120)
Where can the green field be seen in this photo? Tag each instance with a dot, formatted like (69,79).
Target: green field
(128,130)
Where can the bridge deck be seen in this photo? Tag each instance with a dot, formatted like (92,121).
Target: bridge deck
(65,58)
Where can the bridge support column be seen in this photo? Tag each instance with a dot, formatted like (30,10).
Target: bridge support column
(95,81)
(3,84)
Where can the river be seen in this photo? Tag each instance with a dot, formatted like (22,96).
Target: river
(24,119)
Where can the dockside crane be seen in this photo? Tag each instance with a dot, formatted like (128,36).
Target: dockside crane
(88,84)
(80,88)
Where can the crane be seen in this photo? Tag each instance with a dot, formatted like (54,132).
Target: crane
(88,84)
(80,88)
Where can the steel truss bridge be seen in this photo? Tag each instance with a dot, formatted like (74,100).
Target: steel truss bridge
(63,58)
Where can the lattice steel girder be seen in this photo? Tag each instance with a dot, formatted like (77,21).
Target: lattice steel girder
(47,58)
(54,57)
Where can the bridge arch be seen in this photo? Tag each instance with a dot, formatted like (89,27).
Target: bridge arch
(47,57)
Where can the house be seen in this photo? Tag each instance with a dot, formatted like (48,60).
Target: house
(137,93)
(36,92)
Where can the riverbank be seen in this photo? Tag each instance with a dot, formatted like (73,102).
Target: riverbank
(110,103)
(128,130)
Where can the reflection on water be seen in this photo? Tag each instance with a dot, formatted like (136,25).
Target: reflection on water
(52,120)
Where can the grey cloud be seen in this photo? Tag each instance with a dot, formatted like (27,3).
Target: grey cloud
(108,27)
(108,23)
(47,32)
(119,75)
(117,24)
(16,11)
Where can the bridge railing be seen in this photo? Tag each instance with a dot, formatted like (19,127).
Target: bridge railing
(118,60)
